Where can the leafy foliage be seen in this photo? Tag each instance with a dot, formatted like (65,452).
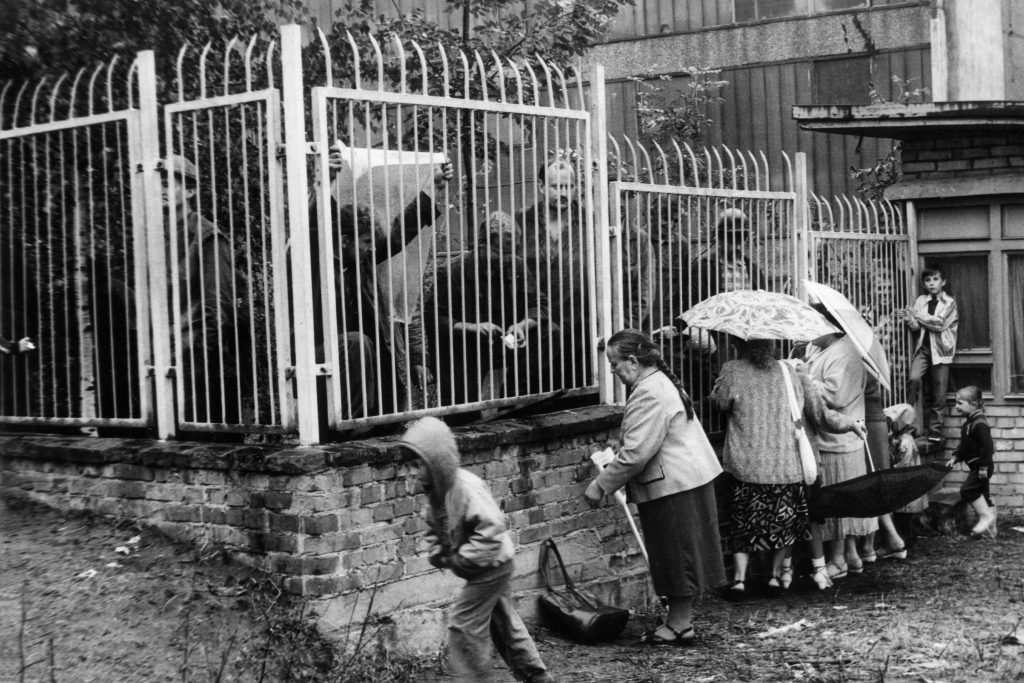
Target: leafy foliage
(53,36)
(872,181)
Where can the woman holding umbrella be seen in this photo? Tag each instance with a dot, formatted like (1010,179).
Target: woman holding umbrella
(669,468)
(769,504)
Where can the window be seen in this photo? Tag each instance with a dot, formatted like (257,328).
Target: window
(753,10)
(1015,297)
(967,282)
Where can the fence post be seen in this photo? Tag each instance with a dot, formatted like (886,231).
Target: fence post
(295,149)
(149,148)
(603,282)
(802,224)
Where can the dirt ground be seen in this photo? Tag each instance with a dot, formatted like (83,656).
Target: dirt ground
(87,600)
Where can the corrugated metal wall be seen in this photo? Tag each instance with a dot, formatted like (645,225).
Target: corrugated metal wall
(757,112)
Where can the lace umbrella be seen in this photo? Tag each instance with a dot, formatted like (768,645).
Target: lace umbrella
(757,314)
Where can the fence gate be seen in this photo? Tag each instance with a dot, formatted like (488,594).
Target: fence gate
(864,251)
(420,280)
(691,225)
(72,267)
(225,245)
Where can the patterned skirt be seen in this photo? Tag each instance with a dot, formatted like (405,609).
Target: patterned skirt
(767,516)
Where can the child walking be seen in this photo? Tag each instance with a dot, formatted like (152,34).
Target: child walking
(467,534)
(934,314)
(976,450)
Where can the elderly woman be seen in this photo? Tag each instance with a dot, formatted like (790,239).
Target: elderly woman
(769,505)
(669,468)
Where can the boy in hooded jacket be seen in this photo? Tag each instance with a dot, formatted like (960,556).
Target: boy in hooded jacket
(467,534)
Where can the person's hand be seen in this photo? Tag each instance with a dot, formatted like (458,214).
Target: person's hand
(422,375)
(951,462)
(486,329)
(666,332)
(335,159)
(982,473)
(25,344)
(594,494)
(860,430)
(520,331)
(443,174)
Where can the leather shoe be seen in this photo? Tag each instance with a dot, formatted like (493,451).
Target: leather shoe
(892,554)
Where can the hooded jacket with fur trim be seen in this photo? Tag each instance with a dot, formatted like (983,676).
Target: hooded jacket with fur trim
(466,527)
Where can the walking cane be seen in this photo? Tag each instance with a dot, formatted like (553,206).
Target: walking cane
(601,460)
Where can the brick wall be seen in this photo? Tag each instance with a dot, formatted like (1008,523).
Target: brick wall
(969,156)
(334,522)
(1007,486)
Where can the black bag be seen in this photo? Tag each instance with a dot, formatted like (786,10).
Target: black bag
(577,612)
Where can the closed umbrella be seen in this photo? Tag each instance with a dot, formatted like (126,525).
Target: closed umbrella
(876,493)
(758,314)
(856,328)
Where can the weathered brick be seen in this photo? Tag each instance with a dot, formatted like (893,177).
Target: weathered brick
(357,476)
(384,513)
(125,471)
(213,515)
(321,524)
(182,513)
(127,489)
(369,495)
(274,542)
(237,497)
(283,523)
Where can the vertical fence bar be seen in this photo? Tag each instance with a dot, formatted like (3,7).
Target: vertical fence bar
(602,283)
(298,222)
(159,366)
(802,224)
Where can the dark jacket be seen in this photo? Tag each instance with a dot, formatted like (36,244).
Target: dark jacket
(975,447)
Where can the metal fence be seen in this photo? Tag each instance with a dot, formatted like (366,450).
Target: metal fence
(692,224)
(71,226)
(409,231)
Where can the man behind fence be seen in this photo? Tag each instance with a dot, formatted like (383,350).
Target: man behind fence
(213,327)
(555,250)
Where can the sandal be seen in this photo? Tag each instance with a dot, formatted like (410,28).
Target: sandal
(821,578)
(683,638)
(786,576)
(834,571)
(870,558)
(898,554)
(855,568)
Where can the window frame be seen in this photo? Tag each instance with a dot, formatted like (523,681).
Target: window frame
(998,249)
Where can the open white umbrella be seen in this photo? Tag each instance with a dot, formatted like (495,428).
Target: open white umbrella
(856,328)
(758,314)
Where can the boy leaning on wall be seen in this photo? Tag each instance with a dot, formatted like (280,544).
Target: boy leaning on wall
(934,316)
(467,535)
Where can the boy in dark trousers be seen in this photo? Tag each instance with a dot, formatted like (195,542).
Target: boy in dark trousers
(934,315)
(977,451)
(467,534)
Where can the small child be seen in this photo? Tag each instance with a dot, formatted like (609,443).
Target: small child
(976,450)
(467,535)
(903,450)
(935,315)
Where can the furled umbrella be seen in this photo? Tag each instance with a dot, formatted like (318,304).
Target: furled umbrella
(758,314)
(857,330)
(876,493)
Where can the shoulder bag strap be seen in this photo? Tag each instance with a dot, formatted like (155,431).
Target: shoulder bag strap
(794,409)
(546,547)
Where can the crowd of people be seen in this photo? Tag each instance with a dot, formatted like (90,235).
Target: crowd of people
(669,468)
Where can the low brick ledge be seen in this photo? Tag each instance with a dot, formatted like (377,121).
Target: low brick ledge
(295,460)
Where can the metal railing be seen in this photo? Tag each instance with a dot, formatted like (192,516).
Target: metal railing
(461,295)
(435,233)
(72,223)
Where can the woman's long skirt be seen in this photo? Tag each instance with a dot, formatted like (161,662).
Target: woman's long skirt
(683,543)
